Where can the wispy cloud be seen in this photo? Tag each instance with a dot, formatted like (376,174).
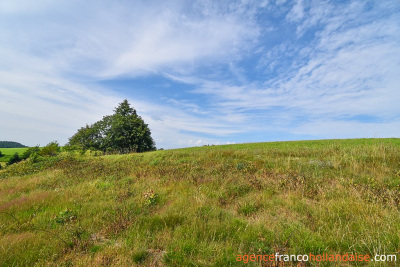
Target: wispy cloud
(347,69)
(52,54)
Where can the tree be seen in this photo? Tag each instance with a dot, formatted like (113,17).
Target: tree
(122,132)
(1,154)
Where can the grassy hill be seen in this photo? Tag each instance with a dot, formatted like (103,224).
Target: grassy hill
(203,206)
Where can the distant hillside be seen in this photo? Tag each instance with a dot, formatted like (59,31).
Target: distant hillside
(10,144)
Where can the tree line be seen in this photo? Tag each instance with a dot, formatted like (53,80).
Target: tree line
(10,144)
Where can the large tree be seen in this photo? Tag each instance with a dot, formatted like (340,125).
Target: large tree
(122,132)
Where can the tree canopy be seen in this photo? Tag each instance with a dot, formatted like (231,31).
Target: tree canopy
(122,132)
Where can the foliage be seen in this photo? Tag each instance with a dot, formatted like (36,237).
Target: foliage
(213,203)
(31,152)
(10,144)
(14,159)
(1,154)
(151,198)
(35,154)
(51,149)
(122,132)
(34,166)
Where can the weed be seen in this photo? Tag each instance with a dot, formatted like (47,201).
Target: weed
(248,208)
(235,191)
(65,216)
(151,198)
(140,256)
(95,249)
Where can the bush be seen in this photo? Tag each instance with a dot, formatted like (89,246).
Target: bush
(1,154)
(30,152)
(14,159)
(51,149)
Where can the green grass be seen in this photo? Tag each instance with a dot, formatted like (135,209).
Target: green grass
(9,152)
(202,206)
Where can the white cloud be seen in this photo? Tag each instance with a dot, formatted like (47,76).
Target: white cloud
(170,39)
(53,52)
(114,39)
(37,109)
(332,129)
(297,11)
(348,71)
(25,6)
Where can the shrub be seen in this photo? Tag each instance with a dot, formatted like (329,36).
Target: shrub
(14,159)
(51,149)
(31,152)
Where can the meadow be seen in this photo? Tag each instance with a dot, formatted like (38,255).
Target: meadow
(9,152)
(203,206)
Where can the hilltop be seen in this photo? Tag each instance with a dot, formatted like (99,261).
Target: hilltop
(202,206)
(11,144)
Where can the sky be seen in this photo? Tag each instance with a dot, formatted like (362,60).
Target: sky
(201,72)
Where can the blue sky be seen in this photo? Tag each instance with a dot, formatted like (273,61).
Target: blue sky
(201,72)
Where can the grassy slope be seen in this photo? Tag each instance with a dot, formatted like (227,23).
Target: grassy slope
(203,206)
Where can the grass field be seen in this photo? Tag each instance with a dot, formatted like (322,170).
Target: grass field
(9,152)
(203,206)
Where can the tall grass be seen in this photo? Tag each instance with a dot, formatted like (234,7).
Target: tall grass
(202,206)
